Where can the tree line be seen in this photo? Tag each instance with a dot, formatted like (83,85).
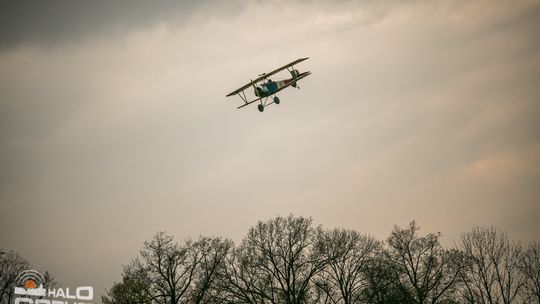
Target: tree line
(288,260)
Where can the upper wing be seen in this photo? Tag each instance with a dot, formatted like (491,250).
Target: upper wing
(265,76)
(284,67)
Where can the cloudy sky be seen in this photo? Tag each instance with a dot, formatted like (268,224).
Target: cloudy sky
(114,122)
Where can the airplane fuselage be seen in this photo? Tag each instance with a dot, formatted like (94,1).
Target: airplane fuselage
(271,87)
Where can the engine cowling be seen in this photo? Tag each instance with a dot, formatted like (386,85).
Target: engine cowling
(261,91)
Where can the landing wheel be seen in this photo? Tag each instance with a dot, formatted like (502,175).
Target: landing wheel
(276,100)
(260,107)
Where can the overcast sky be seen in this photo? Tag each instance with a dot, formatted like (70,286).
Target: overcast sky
(114,122)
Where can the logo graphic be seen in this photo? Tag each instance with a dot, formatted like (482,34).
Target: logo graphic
(30,283)
(29,290)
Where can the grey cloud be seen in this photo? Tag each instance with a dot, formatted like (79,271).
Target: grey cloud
(60,21)
(49,23)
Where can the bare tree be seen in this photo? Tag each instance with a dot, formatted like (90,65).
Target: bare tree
(348,253)
(381,287)
(530,268)
(170,268)
(275,263)
(492,271)
(134,288)
(423,271)
(214,252)
(182,273)
(11,265)
(241,282)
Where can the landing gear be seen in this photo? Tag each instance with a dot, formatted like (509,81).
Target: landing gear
(276,100)
(260,107)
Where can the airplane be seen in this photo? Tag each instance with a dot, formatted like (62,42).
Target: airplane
(264,87)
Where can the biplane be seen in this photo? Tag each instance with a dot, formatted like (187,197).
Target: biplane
(264,87)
